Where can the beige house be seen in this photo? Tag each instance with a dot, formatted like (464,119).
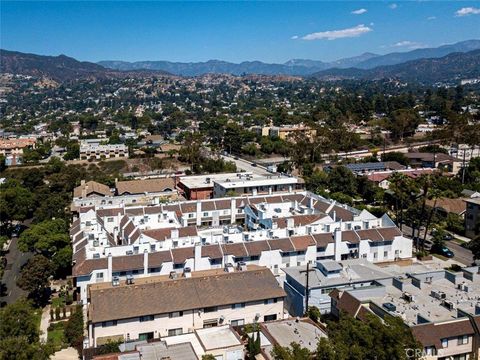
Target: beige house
(162,306)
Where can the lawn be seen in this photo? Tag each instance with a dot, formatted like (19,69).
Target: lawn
(56,336)
(441,257)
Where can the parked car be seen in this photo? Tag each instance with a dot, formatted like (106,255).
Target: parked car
(254,165)
(446,235)
(442,250)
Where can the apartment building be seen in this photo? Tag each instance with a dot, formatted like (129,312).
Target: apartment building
(276,231)
(125,193)
(472,217)
(12,149)
(441,308)
(237,184)
(94,149)
(161,306)
(256,185)
(286,132)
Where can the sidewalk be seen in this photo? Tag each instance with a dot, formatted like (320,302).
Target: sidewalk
(44,322)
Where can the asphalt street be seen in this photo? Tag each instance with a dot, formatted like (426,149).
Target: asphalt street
(15,260)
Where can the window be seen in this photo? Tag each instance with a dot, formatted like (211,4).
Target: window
(109,323)
(205,214)
(270,301)
(210,309)
(110,219)
(385,254)
(175,314)
(375,255)
(238,306)
(463,340)
(145,336)
(100,275)
(191,215)
(210,323)
(270,317)
(173,332)
(152,247)
(237,322)
(147,318)
(445,343)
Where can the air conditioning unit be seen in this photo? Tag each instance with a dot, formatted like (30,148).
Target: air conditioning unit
(96,256)
(115,281)
(448,304)
(440,295)
(130,280)
(408,297)
(173,275)
(221,319)
(462,287)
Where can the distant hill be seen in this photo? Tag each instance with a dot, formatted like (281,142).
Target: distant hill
(59,68)
(299,67)
(448,68)
(401,57)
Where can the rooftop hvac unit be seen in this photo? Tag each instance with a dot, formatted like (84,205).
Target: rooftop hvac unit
(448,304)
(221,319)
(115,281)
(96,256)
(129,252)
(462,287)
(229,268)
(242,266)
(95,242)
(408,297)
(187,272)
(440,295)
(130,280)
(173,275)
(257,316)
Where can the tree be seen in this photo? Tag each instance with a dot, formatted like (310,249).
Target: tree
(313,313)
(396,156)
(16,202)
(208,357)
(18,320)
(474,247)
(74,329)
(34,277)
(20,348)
(341,179)
(45,238)
(294,352)
(109,348)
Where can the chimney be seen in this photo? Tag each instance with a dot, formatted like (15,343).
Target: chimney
(174,234)
(199,213)
(233,210)
(310,202)
(290,223)
(337,235)
(145,262)
(110,267)
(198,256)
(334,215)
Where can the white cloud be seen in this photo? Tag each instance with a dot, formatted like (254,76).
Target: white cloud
(338,34)
(359,11)
(294,37)
(467,11)
(393,6)
(431,18)
(408,44)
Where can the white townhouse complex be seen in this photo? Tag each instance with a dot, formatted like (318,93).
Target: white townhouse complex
(94,149)
(162,306)
(121,243)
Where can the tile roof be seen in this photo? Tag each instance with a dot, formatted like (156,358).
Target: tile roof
(351,236)
(432,334)
(237,250)
(91,187)
(255,248)
(389,233)
(166,233)
(145,186)
(182,294)
(370,234)
(301,243)
(323,239)
(285,245)
(110,212)
(180,255)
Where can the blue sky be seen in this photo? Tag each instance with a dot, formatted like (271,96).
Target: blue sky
(232,31)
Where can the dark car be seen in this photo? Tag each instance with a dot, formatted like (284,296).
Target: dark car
(254,165)
(442,250)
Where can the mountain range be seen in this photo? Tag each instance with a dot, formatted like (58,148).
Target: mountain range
(451,67)
(300,67)
(59,68)
(433,66)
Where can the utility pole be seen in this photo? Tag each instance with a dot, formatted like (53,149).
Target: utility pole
(307,286)
(463,167)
